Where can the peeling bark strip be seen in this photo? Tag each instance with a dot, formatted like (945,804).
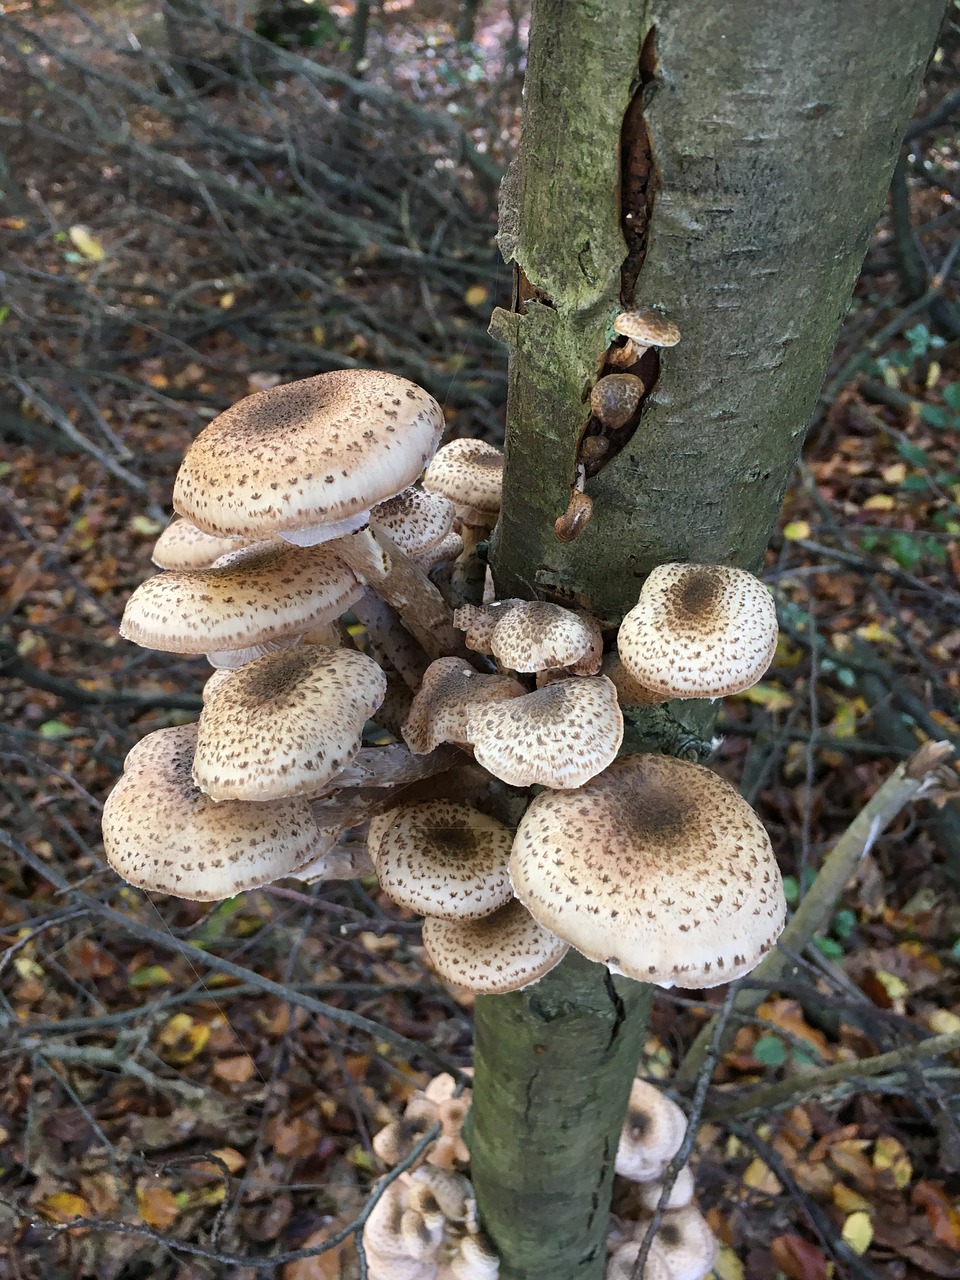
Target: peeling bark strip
(775,128)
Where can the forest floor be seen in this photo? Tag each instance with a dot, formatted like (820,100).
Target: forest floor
(155,1086)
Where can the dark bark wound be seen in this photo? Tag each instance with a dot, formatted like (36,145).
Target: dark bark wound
(639,179)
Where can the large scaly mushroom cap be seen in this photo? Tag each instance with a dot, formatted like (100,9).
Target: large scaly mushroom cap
(450,692)
(558,736)
(286,724)
(657,868)
(320,451)
(161,832)
(505,951)
(443,859)
(470,474)
(246,598)
(699,631)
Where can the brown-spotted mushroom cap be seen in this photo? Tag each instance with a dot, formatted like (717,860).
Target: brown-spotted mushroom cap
(286,724)
(247,597)
(505,951)
(470,474)
(630,692)
(444,859)
(416,521)
(558,736)
(395,1141)
(533,635)
(477,622)
(473,1259)
(688,1244)
(314,454)
(615,399)
(649,327)
(451,690)
(652,1133)
(214,684)
(161,832)
(657,868)
(183,546)
(391,1235)
(699,631)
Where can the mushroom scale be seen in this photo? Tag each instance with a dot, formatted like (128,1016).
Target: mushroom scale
(451,690)
(699,631)
(657,868)
(443,859)
(286,724)
(533,635)
(469,473)
(314,452)
(505,951)
(162,833)
(557,736)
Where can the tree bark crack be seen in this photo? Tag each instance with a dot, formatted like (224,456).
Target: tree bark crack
(618,1010)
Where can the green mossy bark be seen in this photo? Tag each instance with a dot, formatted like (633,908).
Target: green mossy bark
(774,130)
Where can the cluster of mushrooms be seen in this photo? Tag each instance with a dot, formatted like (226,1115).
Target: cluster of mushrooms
(424,1225)
(407,745)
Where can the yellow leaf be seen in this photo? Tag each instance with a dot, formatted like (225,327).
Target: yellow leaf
(761,1178)
(227,300)
(183,1038)
(158,1207)
(934,370)
(876,634)
(888,1154)
(796,530)
(943,1022)
(844,723)
(846,1199)
(63,1206)
(858,1231)
(770,696)
(27,968)
(728,1266)
(319,334)
(84,243)
(895,987)
(476,295)
(895,474)
(879,502)
(146,527)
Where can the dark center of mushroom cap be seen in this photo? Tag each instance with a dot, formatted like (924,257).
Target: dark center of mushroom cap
(638,1123)
(670,1234)
(459,840)
(278,678)
(696,596)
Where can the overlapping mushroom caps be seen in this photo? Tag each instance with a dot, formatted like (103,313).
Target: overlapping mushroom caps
(657,868)
(162,833)
(699,631)
(307,460)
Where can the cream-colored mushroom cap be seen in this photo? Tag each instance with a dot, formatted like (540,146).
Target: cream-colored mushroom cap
(502,952)
(652,1133)
(558,736)
(536,636)
(416,521)
(657,868)
(622,1263)
(286,724)
(450,691)
(444,859)
(478,622)
(699,631)
(470,474)
(183,546)
(647,326)
(316,452)
(630,692)
(681,1193)
(215,683)
(688,1244)
(474,1259)
(247,597)
(160,832)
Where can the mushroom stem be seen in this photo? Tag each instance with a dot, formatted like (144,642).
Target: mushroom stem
(469,573)
(389,641)
(398,581)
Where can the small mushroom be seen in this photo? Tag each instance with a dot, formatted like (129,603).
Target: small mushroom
(652,1133)
(505,951)
(643,329)
(470,474)
(622,1263)
(615,399)
(577,516)
(451,691)
(688,1245)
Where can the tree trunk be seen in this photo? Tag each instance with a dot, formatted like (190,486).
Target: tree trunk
(726,166)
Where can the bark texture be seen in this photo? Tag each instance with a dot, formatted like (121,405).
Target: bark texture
(723,160)
(774,130)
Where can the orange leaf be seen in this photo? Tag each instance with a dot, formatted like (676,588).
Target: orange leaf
(236,1070)
(943,1218)
(63,1206)
(798,1259)
(158,1207)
